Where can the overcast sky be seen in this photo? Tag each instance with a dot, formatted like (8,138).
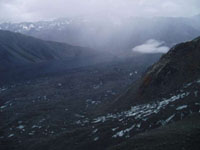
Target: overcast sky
(34,10)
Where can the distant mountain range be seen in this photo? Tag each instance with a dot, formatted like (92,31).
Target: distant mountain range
(21,54)
(112,34)
(20,49)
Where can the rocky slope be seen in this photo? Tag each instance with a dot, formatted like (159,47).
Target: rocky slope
(179,66)
(182,134)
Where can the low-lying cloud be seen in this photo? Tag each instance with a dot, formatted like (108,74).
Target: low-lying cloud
(151,46)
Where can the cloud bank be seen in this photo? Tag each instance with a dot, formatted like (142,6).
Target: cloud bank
(30,10)
(151,46)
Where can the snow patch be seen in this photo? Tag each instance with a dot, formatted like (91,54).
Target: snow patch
(96,130)
(21,127)
(96,138)
(10,135)
(142,111)
(170,118)
(36,126)
(196,93)
(123,132)
(2,107)
(114,129)
(181,107)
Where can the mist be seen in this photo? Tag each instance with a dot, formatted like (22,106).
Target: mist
(105,25)
(34,10)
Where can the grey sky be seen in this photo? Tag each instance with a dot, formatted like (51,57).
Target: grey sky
(33,10)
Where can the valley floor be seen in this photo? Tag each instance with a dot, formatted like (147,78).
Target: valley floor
(66,112)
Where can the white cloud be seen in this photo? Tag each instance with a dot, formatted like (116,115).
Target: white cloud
(151,46)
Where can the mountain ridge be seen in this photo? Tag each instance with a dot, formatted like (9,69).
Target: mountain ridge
(23,56)
(175,68)
(37,50)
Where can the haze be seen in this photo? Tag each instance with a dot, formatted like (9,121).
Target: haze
(34,10)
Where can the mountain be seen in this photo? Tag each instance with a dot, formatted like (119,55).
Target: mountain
(113,34)
(181,65)
(18,48)
(160,110)
(23,56)
(170,88)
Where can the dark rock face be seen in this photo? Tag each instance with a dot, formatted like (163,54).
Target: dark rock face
(180,65)
(173,85)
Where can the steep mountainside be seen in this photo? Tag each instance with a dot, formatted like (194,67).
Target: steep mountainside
(179,66)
